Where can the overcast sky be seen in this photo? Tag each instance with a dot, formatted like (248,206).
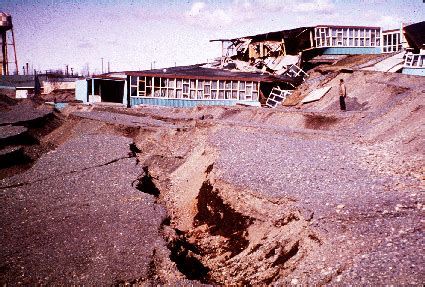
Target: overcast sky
(133,34)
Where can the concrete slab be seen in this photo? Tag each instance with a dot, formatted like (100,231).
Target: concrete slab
(388,64)
(315,95)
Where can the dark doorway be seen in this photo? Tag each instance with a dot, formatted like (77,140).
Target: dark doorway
(111,91)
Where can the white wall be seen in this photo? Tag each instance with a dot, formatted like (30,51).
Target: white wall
(21,94)
(57,85)
(81,90)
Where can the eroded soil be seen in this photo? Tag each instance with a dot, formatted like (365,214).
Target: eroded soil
(221,195)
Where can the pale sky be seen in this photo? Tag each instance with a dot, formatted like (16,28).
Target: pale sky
(133,34)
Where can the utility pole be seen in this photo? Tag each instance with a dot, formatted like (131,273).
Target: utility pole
(66,70)
(109,67)
(102,65)
(72,71)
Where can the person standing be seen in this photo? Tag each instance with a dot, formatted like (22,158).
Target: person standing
(342,95)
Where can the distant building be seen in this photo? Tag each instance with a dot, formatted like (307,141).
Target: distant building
(18,86)
(23,86)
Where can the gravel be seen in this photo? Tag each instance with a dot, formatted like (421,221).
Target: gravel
(22,113)
(76,219)
(11,131)
(122,119)
(359,212)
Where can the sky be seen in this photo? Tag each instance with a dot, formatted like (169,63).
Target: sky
(138,35)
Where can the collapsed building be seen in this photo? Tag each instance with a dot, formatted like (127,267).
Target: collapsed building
(415,57)
(254,70)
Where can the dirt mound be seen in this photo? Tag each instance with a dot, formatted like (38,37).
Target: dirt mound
(319,121)
(63,96)
(6,102)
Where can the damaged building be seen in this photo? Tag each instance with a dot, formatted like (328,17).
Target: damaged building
(253,70)
(415,57)
(187,86)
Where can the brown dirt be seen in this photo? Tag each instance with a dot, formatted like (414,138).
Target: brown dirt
(317,122)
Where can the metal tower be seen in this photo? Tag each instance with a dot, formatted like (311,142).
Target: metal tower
(5,27)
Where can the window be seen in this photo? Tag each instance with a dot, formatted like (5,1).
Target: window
(172,88)
(133,86)
(347,37)
(391,41)
(171,83)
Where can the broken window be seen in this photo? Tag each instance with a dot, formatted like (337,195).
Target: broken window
(277,96)
(199,89)
(415,60)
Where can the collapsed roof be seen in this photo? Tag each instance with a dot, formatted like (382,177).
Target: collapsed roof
(415,35)
(274,36)
(296,40)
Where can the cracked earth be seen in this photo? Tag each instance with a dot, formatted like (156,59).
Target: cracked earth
(215,195)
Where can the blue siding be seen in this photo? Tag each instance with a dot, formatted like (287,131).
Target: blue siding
(81,90)
(351,50)
(7,87)
(414,71)
(61,106)
(183,103)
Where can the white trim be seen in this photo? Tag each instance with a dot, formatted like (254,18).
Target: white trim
(190,89)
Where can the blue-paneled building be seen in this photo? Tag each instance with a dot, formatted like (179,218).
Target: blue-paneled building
(187,86)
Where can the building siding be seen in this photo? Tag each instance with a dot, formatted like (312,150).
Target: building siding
(182,103)
(351,50)
(414,71)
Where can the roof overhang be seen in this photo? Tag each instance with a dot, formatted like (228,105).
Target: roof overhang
(199,73)
(345,27)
